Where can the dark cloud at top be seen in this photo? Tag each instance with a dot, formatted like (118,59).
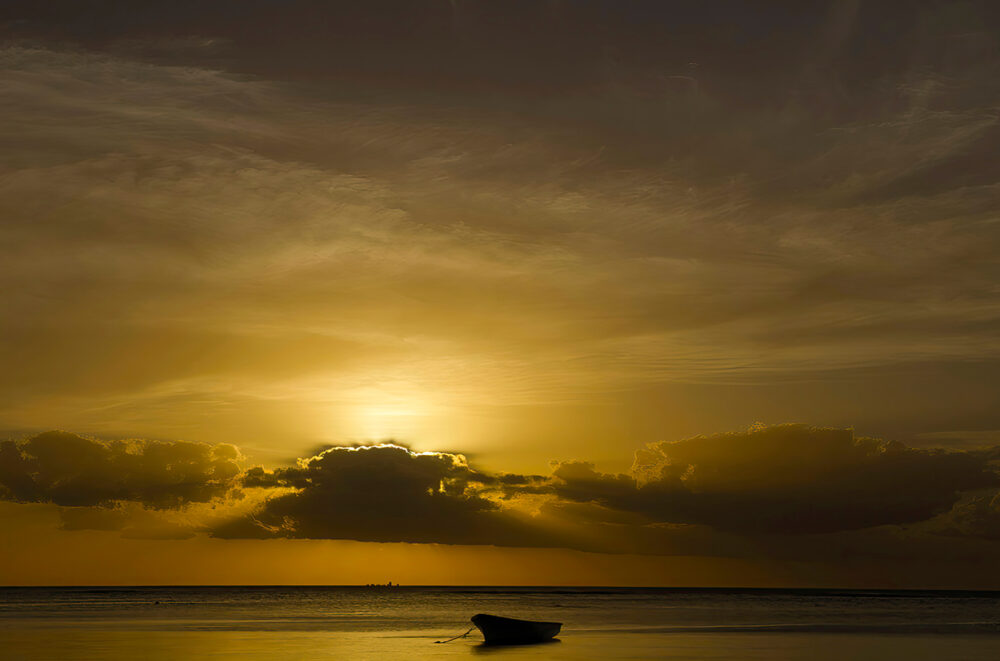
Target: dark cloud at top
(66,469)
(499,41)
(671,74)
(783,479)
(512,43)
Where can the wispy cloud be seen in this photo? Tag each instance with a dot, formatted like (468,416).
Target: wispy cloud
(183,232)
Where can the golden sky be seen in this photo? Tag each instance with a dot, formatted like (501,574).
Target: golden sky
(582,262)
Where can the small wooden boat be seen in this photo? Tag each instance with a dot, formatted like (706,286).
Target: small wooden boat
(508,631)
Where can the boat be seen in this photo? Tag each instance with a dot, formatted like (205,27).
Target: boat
(509,631)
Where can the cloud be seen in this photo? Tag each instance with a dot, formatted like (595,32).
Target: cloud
(788,490)
(66,469)
(133,521)
(783,479)
(959,440)
(162,213)
(977,515)
(385,493)
(93,518)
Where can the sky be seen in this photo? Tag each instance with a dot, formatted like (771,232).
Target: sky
(553,292)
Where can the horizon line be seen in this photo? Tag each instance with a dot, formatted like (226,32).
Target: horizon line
(501,586)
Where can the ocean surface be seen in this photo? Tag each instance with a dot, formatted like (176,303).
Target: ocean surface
(302,623)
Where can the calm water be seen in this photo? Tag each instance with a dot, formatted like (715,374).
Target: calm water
(403,623)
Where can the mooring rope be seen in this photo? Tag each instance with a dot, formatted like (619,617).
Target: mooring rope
(462,635)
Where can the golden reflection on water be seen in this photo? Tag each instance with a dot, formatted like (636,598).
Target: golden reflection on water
(93,645)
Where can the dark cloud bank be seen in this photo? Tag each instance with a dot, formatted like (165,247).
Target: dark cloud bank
(66,469)
(783,479)
(726,494)
(386,493)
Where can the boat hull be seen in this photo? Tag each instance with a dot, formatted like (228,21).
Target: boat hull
(509,631)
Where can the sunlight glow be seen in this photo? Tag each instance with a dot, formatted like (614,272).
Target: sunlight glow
(377,415)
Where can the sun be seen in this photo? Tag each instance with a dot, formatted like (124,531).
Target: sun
(378,415)
(384,422)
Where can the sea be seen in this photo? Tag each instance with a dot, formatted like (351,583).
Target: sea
(406,623)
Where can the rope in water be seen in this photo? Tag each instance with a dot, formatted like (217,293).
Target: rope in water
(463,635)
